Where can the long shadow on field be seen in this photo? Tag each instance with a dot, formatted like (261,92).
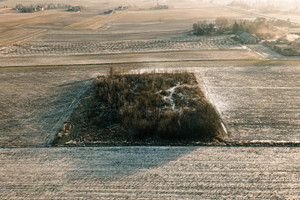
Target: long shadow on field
(63,104)
(113,163)
(45,173)
(40,113)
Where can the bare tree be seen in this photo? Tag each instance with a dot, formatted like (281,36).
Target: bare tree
(222,23)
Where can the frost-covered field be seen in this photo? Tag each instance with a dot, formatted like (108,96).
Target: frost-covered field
(256,102)
(150,173)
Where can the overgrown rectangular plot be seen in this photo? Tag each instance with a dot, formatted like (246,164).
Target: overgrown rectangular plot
(133,109)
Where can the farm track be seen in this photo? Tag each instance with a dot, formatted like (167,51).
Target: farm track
(185,56)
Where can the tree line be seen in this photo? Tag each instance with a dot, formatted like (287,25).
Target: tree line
(223,25)
(40,7)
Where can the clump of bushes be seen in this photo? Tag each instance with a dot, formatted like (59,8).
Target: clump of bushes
(75,8)
(139,107)
(160,7)
(221,25)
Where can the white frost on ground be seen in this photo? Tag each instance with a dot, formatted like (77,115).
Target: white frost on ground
(171,91)
(169,99)
(148,70)
(245,47)
(150,173)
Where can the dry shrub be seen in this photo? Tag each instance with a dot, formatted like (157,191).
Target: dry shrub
(138,105)
(135,104)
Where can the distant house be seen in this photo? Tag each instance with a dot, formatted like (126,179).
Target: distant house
(122,8)
(247,38)
(108,12)
(75,9)
(39,8)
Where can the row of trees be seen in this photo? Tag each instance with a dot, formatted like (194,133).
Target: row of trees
(221,25)
(160,7)
(41,7)
(261,27)
(224,25)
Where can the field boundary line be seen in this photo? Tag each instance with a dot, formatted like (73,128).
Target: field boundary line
(246,62)
(135,62)
(260,55)
(66,114)
(201,84)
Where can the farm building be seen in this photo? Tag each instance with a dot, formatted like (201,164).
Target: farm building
(247,38)
(122,8)
(108,12)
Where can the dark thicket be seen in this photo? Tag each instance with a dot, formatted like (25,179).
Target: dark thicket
(161,107)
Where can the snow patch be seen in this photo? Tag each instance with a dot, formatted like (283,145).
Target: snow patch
(170,97)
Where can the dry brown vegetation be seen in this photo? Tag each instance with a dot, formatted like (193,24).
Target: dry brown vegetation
(142,108)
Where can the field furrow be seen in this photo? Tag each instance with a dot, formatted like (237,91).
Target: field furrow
(99,47)
(150,173)
(97,21)
(16,36)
